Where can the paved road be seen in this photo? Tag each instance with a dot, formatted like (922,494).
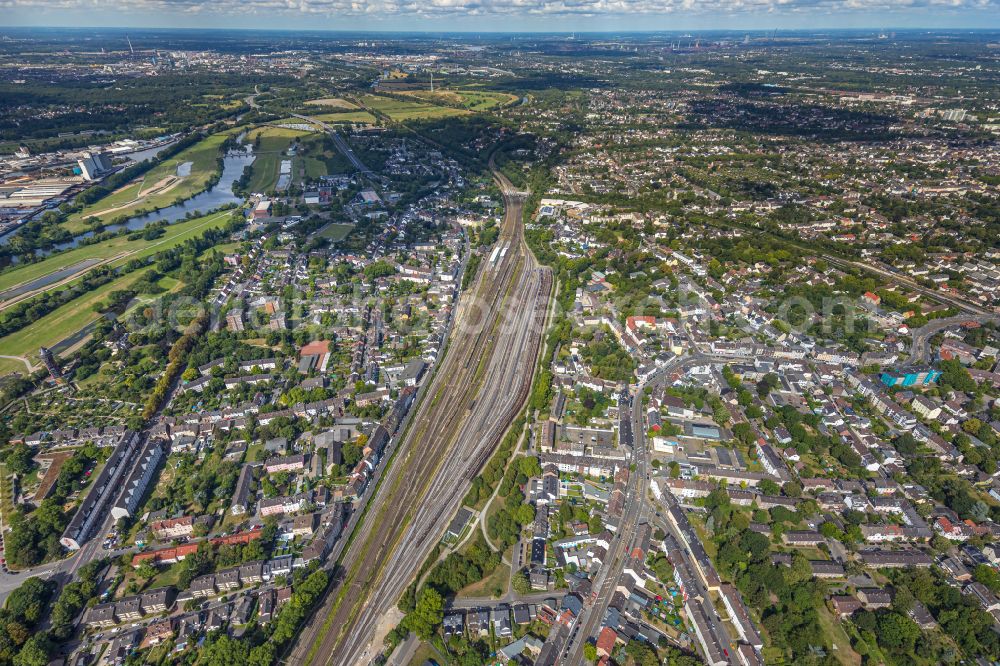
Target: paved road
(633,437)
(920,347)
(635,513)
(403,653)
(341,145)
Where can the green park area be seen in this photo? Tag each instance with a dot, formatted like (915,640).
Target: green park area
(176,179)
(473,100)
(271,147)
(318,156)
(115,251)
(63,322)
(401,110)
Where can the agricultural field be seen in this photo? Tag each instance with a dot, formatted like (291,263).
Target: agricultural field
(161,186)
(115,251)
(270,146)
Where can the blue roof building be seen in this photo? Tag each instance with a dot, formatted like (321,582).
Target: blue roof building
(910,377)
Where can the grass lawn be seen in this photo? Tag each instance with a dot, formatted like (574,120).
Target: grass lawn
(161,186)
(314,167)
(274,142)
(333,102)
(63,321)
(168,283)
(9,366)
(335,232)
(318,157)
(115,251)
(425,652)
(122,195)
(835,633)
(254,451)
(485,588)
(473,100)
(224,248)
(481,100)
(167,576)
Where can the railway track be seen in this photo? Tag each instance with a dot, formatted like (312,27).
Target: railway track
(484,379)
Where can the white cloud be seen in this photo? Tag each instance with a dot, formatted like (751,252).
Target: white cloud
(456,8)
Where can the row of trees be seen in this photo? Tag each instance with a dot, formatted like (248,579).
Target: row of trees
(177,359)
(34,538)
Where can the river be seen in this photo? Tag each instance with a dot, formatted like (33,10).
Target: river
(218,195)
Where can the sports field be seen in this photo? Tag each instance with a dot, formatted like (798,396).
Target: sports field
(335,232)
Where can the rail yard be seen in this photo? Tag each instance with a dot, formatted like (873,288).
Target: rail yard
(481,384)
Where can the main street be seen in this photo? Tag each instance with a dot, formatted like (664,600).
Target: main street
(635,513)
(480,386)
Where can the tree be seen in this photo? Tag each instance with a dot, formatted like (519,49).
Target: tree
(35,652)
(19,459)
(800,571)
(530,466)
(972,426)
(145,571)
(988,576)
(769,487)
(897,632)
(590,651)
(521,583)
(225,651)
(744,432)
(595,525)
(427,615)
(940,543)
(27,602)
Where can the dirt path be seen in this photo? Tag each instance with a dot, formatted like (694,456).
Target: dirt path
(161,187)
(27,363)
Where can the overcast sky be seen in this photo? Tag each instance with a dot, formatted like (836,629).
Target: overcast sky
(506,15)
